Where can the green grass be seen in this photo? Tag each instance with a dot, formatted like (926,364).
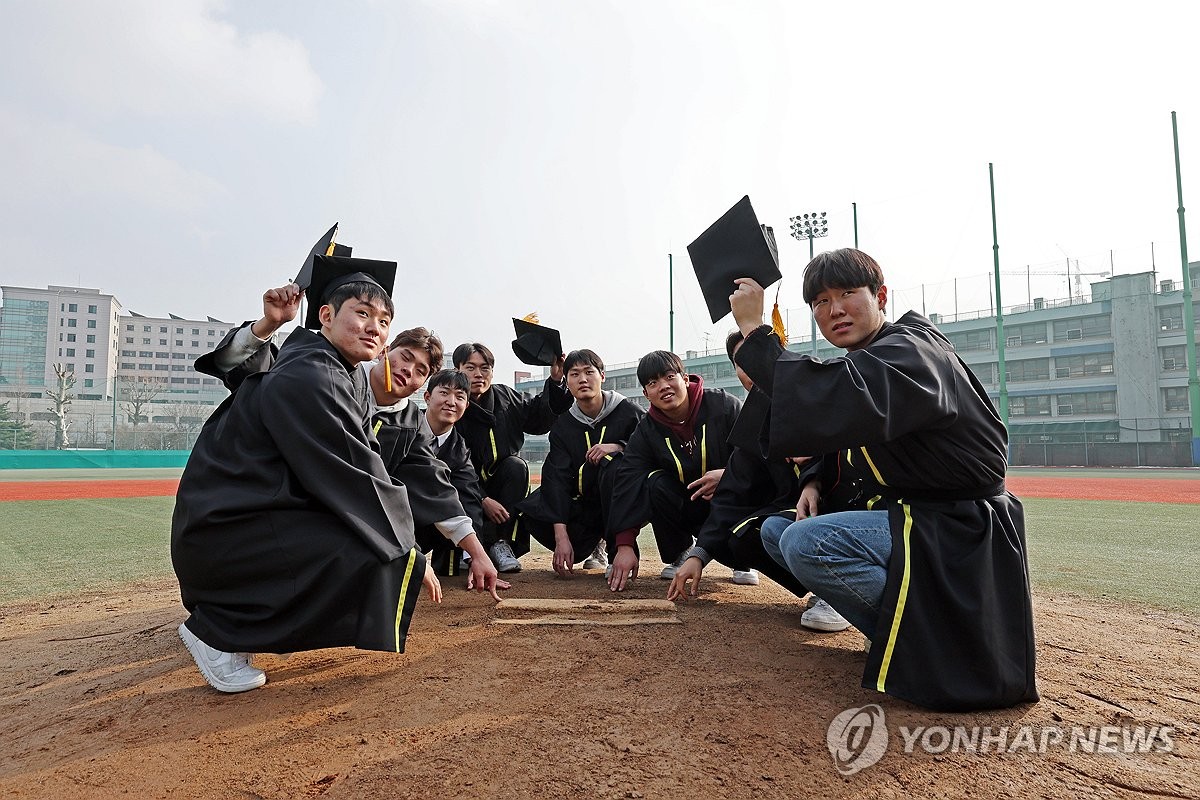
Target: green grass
(1147,552)
(1140,552)
(56,546)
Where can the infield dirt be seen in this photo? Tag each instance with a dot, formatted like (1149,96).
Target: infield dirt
(98,698)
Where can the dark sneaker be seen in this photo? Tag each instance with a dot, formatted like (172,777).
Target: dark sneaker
(599,557)
(668,573)
(503,557)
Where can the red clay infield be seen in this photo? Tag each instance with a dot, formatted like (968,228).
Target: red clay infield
(1073,487)
(84,490)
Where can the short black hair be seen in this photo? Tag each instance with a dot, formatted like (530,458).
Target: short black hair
(360,290)
(576,357)
(464,351)
(658,363)
(731,342)
(841,269)
(451,379)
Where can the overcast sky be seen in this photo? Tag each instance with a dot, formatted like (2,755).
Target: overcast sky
(547,156)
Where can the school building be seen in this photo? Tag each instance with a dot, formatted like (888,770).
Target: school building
(1095,380)
(123,362)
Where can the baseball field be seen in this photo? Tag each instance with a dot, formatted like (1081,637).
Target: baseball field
(731,699)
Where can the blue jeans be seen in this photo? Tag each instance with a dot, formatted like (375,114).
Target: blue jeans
(842,558)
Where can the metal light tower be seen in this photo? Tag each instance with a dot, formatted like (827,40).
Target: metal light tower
(810,226)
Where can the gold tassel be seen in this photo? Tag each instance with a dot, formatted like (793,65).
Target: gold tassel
(332,239)
(777,321)
(532,316)
(387,371)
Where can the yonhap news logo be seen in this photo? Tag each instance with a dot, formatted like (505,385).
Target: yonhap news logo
(858,737)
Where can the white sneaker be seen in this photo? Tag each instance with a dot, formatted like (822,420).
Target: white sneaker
(822,617)
(745,577)
(503,557)
(225,672)
(599,557)
(668,573)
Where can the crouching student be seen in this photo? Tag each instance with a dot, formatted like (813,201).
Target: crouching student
(568,512)
(494,427)
(288,534)
(445,402)
(671,468)
(405,441)
(935,574)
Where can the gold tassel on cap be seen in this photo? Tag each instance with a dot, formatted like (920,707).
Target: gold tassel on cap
(532,316)
(777,321)
(387,370)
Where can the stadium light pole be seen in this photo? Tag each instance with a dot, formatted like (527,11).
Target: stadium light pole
(810,226)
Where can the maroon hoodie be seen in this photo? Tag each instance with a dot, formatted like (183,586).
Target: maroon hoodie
(685,431)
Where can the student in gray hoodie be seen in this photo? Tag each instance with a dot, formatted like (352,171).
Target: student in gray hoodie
(569,511)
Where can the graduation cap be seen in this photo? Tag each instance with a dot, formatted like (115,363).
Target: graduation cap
(325,246)
(735,246)
(536,344)
(330,272)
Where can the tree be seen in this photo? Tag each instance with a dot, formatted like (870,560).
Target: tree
(60,402)
(14,434)
(188,420)
(138,393)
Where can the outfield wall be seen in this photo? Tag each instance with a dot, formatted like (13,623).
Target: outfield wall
(91,459)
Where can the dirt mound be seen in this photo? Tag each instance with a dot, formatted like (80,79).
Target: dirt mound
(100,699)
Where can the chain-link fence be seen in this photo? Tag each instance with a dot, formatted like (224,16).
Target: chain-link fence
(85,434)
(1141,442)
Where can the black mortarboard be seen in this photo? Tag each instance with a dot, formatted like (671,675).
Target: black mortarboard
(735,246)
(536,344)
(330,272)
(325,246)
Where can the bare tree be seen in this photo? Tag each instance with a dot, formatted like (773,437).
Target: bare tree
(188,419)
(60,403)
(138,393)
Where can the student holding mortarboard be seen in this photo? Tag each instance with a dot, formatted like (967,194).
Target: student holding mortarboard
(406,443)
(935,572)
(288,533)
(494,427)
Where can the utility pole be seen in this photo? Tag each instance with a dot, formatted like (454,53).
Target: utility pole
(1000,342)
(1189,318)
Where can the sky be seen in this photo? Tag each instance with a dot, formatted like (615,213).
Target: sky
(558,157)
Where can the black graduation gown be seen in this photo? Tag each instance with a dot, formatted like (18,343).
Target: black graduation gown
(455,454)
(956,628)
(653,447)
(407,446)
(288,533)
(409,451)
(751,489)
(494,427)
(260,361)
(566,474)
